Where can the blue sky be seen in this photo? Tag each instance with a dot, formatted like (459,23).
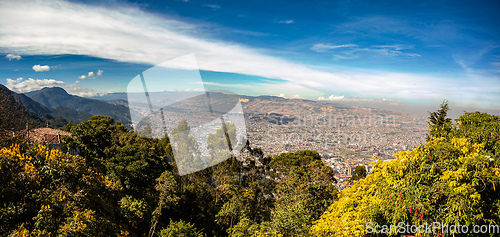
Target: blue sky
(412,51)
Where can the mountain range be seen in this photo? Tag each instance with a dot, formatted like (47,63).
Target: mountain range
(56,97)
(55,107)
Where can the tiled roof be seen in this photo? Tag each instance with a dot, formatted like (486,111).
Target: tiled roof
(44,135)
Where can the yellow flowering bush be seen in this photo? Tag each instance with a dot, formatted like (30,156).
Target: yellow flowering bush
(451,181)
(46,192)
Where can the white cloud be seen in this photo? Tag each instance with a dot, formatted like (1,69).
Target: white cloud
(82,91)
(213,6)
(195,89)
(296,96)
(353,50)
(131,35)
(320,48)
(332,97)
(352,99)
(345,55)
(39,68)
(22,86)
(91,75)
(208,83)
(392,50)
(286,22)
(13,56)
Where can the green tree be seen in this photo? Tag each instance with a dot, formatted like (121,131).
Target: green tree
(131,162)
(219,143)
(133,209)
(439,124)
(304,191)
(167,187)
(147,131)
(181,229)
(245,227)
(187,155)
(95,138)
(481,128)
(285,161)
(218,140)
(439,118)
(68,127)
(359,173)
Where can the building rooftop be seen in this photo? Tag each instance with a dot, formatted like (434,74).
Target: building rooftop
(44,135)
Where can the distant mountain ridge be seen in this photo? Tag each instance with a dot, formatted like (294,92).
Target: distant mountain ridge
(18,110)
(57,98)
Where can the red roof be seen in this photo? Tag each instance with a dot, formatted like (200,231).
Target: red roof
(44,135)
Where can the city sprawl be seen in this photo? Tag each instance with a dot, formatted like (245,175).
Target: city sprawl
(344,136)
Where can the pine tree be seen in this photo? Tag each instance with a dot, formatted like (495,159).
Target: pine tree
(439,124)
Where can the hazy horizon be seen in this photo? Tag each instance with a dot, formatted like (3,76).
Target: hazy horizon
(454,112)
(416,54)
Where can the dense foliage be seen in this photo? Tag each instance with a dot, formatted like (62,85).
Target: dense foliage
(45,192)
(122,184)
(125,184)
(453,179)
(359,173)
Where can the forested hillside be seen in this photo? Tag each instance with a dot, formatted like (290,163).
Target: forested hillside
(15,116)
(18,110)
(53,107)
(122,184)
